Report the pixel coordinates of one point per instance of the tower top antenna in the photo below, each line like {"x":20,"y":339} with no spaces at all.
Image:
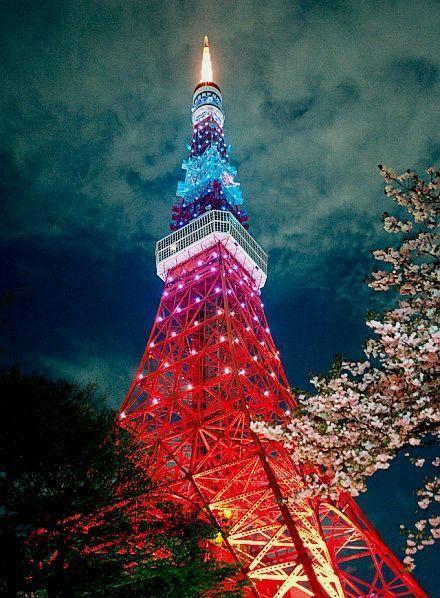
{"x":206,"y":74}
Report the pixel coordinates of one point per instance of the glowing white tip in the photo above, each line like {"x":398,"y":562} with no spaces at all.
{"x":206,"y":74}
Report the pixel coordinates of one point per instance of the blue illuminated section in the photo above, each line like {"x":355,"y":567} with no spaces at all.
{"x":209,"y":179}
{"x":202,"y":171}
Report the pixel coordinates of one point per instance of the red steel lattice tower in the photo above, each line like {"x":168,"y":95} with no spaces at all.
{"x":209,"y":368}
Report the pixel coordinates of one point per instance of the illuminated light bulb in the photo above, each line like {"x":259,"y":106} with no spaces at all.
{"x":200,"y":263}
{"x":248,"y":329}
{"x":232,"y":313}
{"x":197,"y":276}
{"x":217,"y":539}
{"x":222,"y":339}
{"x":217,"y":289}
{"x":235,"y":340}
{"x":255,"y":358}
{"x":180,"y":285}
{"x":213,"y":269}
{"x":193,"y":351}
{"x":252,"y":294}
{"x":189,"y":387}
{"x":262,"y":304}
{"x":140,"y":376}
{"x":165,"y":293}
{"x":242,"y":305}
{"x":159,"y":319}
{"x":215,"y":254}
{"x":272,"y":374}
{"x":229,"y":292}
{"x":255,"y":318}
{"x":166,"y":364}
{"x":155,"y":401}
{"x":198,"y":299}
{"x":151,"y":344}
{"x":227,"y":513}
{"x":266,"y":393}
{"x":122,"y":415}
{"x":287,"y":412}
{"x":267,"y":329}
{"x":227,"y":370}
{"x":219,"y":312}
{"x":178,"y":309}
{"x":173,"y":333}
{"x":242,"y":372}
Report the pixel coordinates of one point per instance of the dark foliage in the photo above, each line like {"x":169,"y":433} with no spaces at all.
{"x":76,"y":509}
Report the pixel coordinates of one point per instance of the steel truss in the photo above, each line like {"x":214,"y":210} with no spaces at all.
{"x":209,"y":368}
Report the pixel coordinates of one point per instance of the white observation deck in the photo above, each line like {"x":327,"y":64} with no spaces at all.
{"x":205,"y":231}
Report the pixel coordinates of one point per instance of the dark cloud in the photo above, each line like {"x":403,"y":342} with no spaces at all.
{"x":415,"y":73}
{"x":283,"y":112}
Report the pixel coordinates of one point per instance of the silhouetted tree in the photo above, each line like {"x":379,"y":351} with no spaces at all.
{"x":77,"y":513}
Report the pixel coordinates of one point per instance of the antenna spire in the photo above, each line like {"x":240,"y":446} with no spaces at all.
{"x":206,"y":74}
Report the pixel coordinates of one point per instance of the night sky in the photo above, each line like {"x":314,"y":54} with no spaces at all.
{"x":94,"y":118}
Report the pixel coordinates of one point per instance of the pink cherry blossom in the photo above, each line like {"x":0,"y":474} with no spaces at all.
{"x":365,"y":412}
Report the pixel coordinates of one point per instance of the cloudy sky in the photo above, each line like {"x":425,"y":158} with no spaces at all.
{"x":94,"y":119}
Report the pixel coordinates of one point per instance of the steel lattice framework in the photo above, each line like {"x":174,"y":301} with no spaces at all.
{"x":209,"y":368}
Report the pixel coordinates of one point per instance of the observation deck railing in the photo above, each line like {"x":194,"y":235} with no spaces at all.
{"x":204,"y":231}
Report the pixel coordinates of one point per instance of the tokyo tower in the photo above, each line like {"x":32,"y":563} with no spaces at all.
{"x":209,"y":368}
